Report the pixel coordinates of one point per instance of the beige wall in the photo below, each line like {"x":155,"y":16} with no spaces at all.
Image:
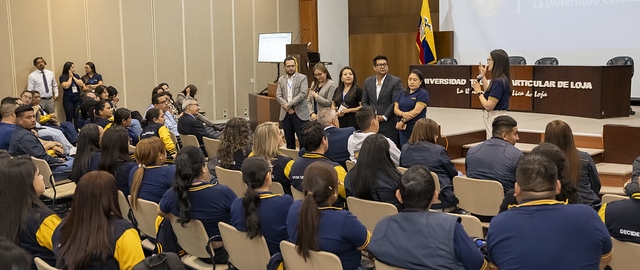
{"x":138,"y":44}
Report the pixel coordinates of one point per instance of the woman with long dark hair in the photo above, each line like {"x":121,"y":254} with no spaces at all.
{"x":72,"y":86}
{"x":88,"y":145}
{"x":568,"y":191}
{"x":259,"y":212}
{"x":91,"y":79}
{"x":411,"y":105}
{"x":153,"y":126}
{"x":189,"y":92}
{"x":494,"y":96}
{"x":94,"y":235}
{"x":423,"y":149}
{"x":235,"y":145}
{"x":102,"y":114}
{"x":193,"y":196}
{"x":582,"y":171}
{"x":375,"y":177}
{"x":152,"y":178}
{"x":122,"y":118}
{"x":114,"y":157}
{"x":267,"y":140}
{"x":321,"y":96}
{"x":314,"y":225}
{"x":347,"y":98}
{"x":26,"y":221}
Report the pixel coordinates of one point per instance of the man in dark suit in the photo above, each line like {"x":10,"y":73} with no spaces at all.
{"x":292,"y":96}
{"x":380,"y":92}
{"x":337,"y":137}
{"x":190,"y":125}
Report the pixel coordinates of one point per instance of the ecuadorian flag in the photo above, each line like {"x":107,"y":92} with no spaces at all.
{"x":424,"y":37}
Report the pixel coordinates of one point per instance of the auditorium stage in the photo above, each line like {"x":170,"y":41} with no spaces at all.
{"x":457,"y":121}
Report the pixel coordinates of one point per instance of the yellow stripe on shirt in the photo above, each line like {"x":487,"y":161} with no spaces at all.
{"x":45,"y":231}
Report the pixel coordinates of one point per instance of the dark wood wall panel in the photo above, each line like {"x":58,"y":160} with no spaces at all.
{"x":309,"y":23}
{"x":385,"y":27}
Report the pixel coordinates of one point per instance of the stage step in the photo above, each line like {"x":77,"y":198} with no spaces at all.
{"x":614,"y":174}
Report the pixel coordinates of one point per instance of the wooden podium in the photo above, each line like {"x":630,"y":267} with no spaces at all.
{"x":262,"y":109}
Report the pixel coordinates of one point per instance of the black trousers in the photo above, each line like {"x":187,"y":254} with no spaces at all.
{"x":291,"y":125}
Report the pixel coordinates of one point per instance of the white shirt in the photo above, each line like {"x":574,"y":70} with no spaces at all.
{"x":355,"y":143}
{"x":36,"y":83}
{"x":289,"y":88}
{"x":379,"y":86}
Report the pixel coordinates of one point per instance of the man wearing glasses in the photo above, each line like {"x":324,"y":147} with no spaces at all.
{"x":380,"y":92}
{"x":292,"y":96}
{"x":190,"y":125}
{"x":163,"y":102}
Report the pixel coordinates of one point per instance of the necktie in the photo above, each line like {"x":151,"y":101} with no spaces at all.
{"x":44,"y":80}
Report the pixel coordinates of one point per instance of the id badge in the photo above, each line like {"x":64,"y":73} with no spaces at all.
{"x":74,"y":89}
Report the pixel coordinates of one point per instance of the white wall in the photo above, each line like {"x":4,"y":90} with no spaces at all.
{"x":333,"y":34}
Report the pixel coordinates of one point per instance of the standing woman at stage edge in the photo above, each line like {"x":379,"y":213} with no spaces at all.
{"x":411,"y":105}
{"x":494,"y":96}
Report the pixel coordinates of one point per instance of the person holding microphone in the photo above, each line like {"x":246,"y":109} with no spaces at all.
{"x":494,"y":96}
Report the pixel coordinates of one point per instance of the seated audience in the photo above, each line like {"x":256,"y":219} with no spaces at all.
{"x":369,"y":125}
{"x":496,"y":158}
{"x":88,"y":146}
{"x":421,"y":239}
{"x":338,"y":137}
{"x":582,"y":172}
{"x":50,"y":121}
{"x":374,"y":177}
{"x":617,"y":215}
{"x":316,"y":144}
{"x":114,"y":157}
{"x":7,"y":124}
{"x":235,"y":144}
{"x":152,"y":178}
{"x":631,"y":186}
{"x":162,"y":101}
{"x":24,"y":142}
{"x":122,"y":118}
{"x":194,"y":197}
{"x":568,"y":191}
{"x":542,"y":233}
{"x":103,"y":114}
{"x":154,"y":127}
{"x":26,"y":221}
{"x":85,"y":110}
{"x":267,"y":140}
{"x":94,"y":235}
{"x":259,"y":212}
{"x":14,"y":257}
{"x":314,"y":225}
{"x":190,"y":125}
{"x":422,"y":148}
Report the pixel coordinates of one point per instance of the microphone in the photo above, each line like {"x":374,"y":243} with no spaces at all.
{"x":479,"y":78}
{"x":308,"y":44}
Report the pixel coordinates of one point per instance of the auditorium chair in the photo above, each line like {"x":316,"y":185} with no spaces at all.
{"x":479,"y":197}
{"x":232,"y":179}
{"x":607,"y":198}
{"x":240,"y":247}
{"x":447,"y":61}
{"x":547,"y":61}
{"x":292,"y":153}
{"x":125,"y":208}
{"x":350,"y":164}
{"x":625,"y":255}
{"x":190,"y":140}
{"x":318,"y":260}
{"x":517,"y":61}
{"x":145,"y":213}
{"x":211,"y":146}
{"x":472,"y":225}
{"x":383,"y":266}
{"x":370,"y":212}
{"x":296,"y":194}
{"x":54,"y":189}
{"x":622,"y":61}
{"x":193,"y":238}
{"x":276,"y":188}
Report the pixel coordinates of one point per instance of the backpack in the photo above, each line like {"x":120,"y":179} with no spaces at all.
{"x":163,"y":261}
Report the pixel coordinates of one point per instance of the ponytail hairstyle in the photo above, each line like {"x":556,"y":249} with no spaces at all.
{"x":148,"y":152}
{"x":151,"y":114}
{"x":254,"y":173}
{"x":320,"y":188}
{"x":189,"y":163}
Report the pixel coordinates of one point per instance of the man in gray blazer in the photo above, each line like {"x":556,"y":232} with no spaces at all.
{"x":380,"y":91}
{"x":292,"y":96}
